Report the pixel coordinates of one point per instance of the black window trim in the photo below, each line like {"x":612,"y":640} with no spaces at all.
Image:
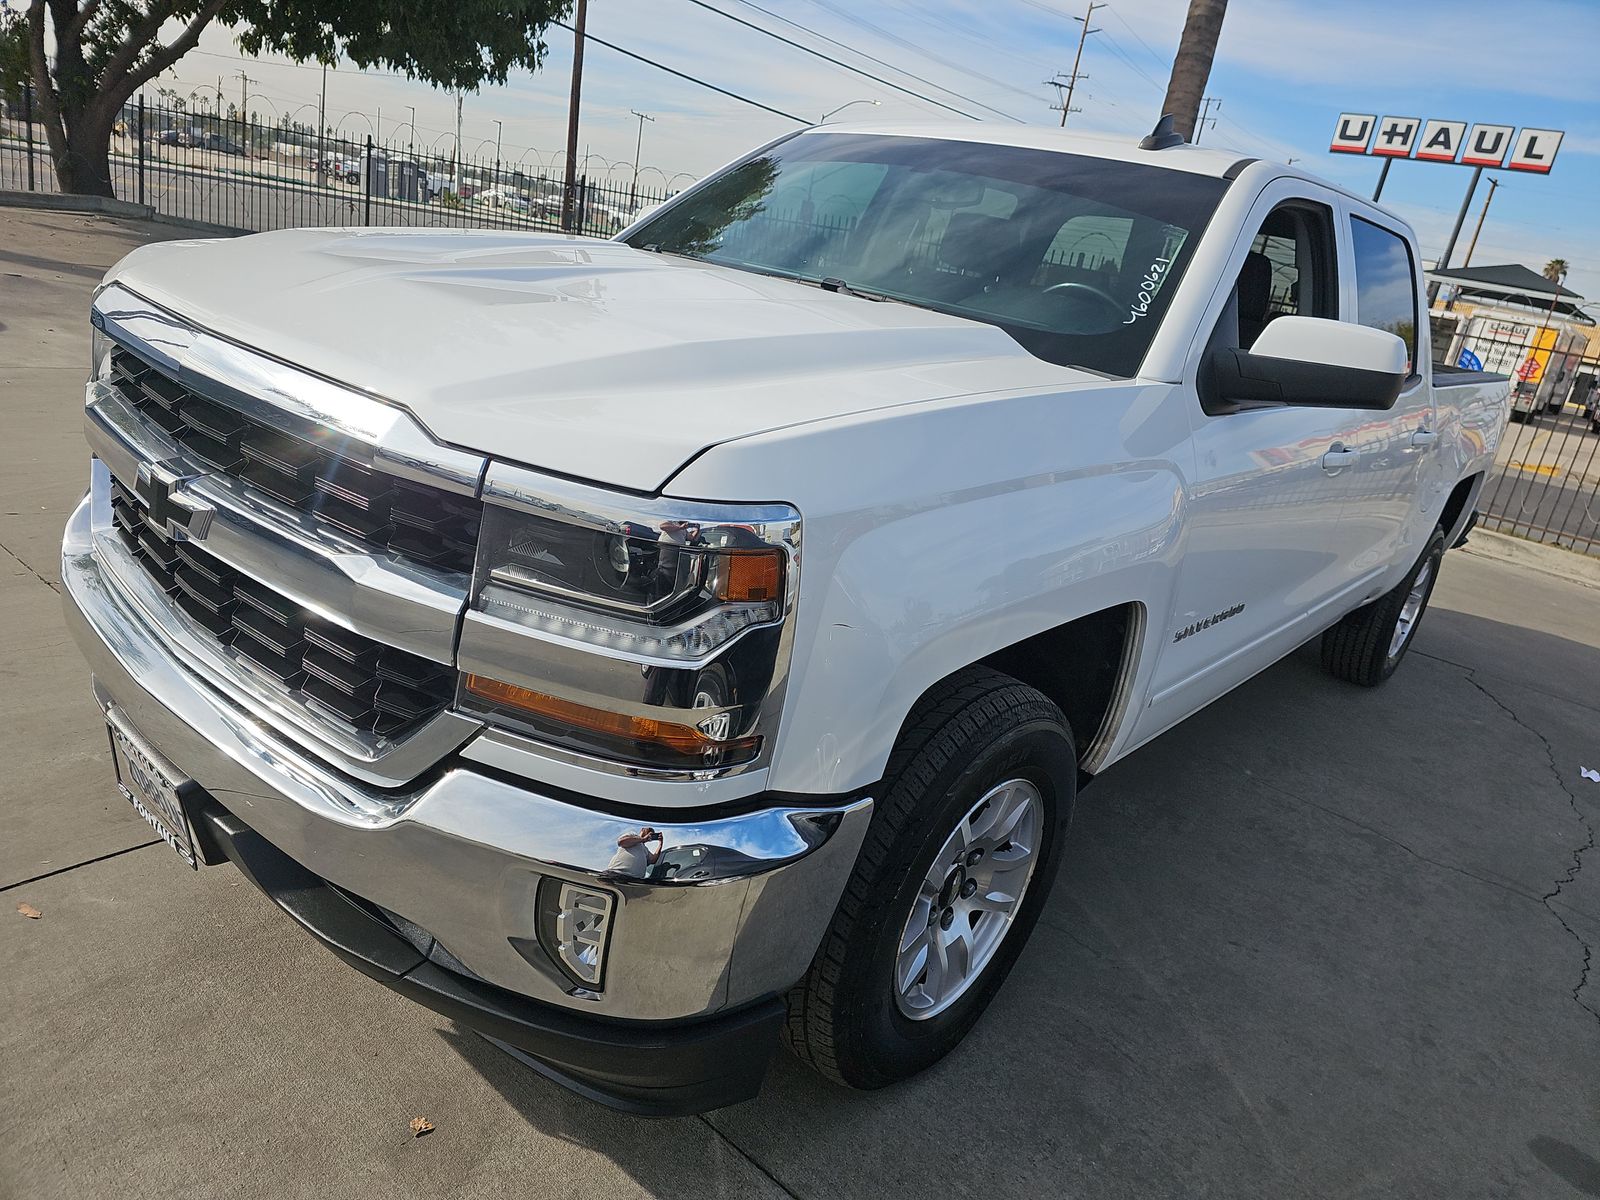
{"x":1415,"y":377}
{"x":1325,"y":265}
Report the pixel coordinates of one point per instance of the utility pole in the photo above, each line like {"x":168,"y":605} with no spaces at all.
{"x":638,"y":148}
{"x":1077,"y":61}
{"x":499,"y":129}
{"x":1191,"y":67}
{"x":569,"y":192}
{"x":1207,"y":103}
{"x":244,"y":108}
{"x":458,"y":145}
{"x":322,"y":126}
{"x":1478,"y":228}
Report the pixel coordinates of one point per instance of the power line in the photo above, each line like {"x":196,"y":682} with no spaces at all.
{"x":888,"y":35}
{"x":838,"y":63}
{"x":691,"y":78}
{"x":870,"y":58}
{"x":1161,"y":63}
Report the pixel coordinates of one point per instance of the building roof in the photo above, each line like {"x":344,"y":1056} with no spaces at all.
{"x":1507,"y":278}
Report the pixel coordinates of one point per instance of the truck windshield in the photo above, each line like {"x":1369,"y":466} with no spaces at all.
{"x":1075,"y":257}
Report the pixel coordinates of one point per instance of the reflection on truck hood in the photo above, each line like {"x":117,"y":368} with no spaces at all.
{"x":578,"y":356}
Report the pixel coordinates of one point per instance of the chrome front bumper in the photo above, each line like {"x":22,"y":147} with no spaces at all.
{"x":463,"y":857}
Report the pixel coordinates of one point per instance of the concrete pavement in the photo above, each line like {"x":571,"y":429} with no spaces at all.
{"x":1317,"y":941}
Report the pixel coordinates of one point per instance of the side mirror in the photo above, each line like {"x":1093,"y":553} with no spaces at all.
{"x":1315,"y":362}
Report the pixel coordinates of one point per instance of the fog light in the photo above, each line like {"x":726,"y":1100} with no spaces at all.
{"x":575,"y":925}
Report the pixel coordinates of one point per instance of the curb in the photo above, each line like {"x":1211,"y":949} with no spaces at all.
{"x":1570,"y":565}
{"x":106,"y":206}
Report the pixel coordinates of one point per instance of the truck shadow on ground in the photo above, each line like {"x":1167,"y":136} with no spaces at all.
{"x":1297,"y":948}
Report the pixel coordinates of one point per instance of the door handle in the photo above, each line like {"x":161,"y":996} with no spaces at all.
{"x":1338,"y":457}
{"x":1423,"y":437}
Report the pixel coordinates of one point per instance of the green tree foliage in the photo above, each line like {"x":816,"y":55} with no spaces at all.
{"x":105,"y":50}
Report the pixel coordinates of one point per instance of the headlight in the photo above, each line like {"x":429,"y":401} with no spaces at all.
{"x":650,"y":634}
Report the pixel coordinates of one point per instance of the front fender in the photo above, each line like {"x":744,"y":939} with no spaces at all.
{"x":932,"y":539}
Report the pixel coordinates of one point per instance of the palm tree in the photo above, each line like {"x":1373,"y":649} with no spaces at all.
{"x":1191,"y":68}
{"x":1555,"y":270}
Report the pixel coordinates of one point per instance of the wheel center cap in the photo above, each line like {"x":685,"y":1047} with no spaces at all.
{"x":952,"y":886}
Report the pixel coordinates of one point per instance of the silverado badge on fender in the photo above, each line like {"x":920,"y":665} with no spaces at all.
{"x":1199,"y":626}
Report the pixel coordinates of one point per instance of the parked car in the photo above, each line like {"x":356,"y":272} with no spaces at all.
{"x":222,"y":144}
{"x":501,"y":198}
{"x":635,"y":652}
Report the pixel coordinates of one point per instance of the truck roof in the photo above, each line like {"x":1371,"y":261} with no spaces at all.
{"x":1197,"y":160}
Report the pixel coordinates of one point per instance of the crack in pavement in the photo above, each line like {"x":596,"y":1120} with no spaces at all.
{"x":748,"y":1157}
{"x":88,"y":862}
{"x":28,"y":567}
{"x":1509,"y":889}
{"x":1571,"y":874}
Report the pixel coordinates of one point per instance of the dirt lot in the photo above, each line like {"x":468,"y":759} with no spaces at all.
{"x":1316,"y":942}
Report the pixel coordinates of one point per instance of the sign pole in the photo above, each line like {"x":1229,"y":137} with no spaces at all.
{"x":1383,"y":178}
{"x":1449,"y":247}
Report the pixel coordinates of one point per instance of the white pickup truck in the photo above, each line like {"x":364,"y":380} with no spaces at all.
{"x":646,"y":650}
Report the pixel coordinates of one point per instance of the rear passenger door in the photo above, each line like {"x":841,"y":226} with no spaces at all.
{"x":1389,"y":502}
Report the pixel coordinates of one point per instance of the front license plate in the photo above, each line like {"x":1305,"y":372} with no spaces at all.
{"x":151,"y":784}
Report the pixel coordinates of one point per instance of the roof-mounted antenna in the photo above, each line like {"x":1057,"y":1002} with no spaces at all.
{"x":1163,"y":136}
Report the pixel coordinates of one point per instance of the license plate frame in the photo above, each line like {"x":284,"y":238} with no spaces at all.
{"x":152,"y":785}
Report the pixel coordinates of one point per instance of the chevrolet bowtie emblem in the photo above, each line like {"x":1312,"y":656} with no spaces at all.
{"x":175,"y":513}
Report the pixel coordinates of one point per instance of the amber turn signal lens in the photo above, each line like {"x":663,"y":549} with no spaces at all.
{"x":683,"y":739}
{"x":750,"y":576}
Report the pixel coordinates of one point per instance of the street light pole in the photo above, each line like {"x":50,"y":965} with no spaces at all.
{"x":411,"y":142}
{"x":638,"y":147}
{"x":499,"y":129}
{"x":322,"y":127}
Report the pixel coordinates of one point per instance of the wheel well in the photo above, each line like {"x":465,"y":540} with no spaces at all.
{"x":1079,"y":665}
{"x":1454,"y":507}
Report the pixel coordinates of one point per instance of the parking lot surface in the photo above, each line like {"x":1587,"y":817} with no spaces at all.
{"x":1317,"y":941}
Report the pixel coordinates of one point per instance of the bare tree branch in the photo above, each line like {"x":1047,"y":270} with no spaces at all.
{"x":140,"y":36}
{"x":49,"y":112}
{"x":171,"y":53}
{"x":85,"y":15}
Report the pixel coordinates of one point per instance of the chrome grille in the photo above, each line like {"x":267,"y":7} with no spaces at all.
{"x":352,"y":679}
{"x":412,"y":520}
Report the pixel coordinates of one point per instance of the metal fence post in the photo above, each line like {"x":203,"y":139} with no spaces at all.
{"x":583,"y":204}
{"x":366,"y":185}
{"x":27,"y":124}
{"x":141,"y":148}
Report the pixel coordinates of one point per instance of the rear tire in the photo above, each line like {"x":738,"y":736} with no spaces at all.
{"x":984,"y":776}
{"x":1368,"y":644}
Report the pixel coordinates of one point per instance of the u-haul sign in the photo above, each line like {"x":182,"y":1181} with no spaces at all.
{"x":1437,"y":140}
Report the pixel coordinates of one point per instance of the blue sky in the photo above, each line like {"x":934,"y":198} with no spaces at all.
{"x":1284,"y":70}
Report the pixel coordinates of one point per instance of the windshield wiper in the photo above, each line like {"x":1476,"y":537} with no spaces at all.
{"x":842,"y":288}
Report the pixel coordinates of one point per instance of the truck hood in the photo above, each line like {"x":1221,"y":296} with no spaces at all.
{"x":571,"y":355}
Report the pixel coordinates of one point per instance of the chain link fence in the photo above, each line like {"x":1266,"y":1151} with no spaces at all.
{"x":237,"y":171}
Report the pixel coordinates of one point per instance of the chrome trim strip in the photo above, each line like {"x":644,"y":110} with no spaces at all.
{"x":463,"y":856}
{"x":606,"y":510}
{"x":377,"y":432}
{"x":557,"y":766}
{"x":382,"y":761}
{"x":374,"y":594}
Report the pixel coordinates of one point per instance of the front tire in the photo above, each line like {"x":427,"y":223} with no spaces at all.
{"x":1368,"y":644}
{"x":956,"y":866}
